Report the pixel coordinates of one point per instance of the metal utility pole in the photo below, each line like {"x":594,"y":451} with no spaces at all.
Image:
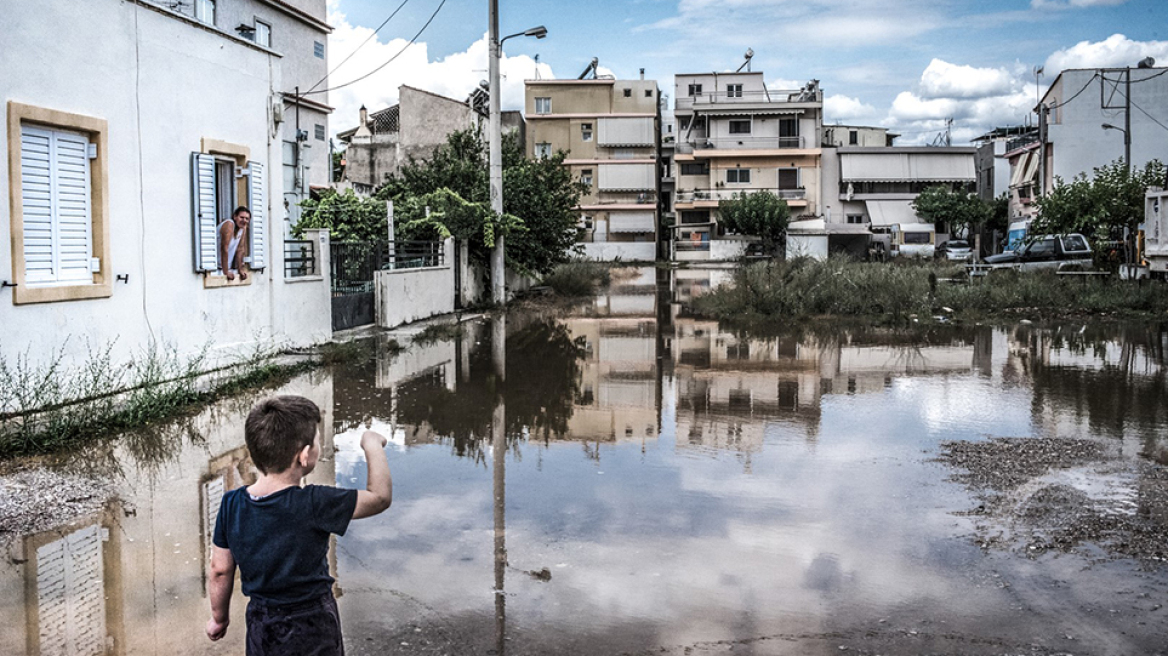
{"x":495,"y":139}
{"x":1127,"y":121}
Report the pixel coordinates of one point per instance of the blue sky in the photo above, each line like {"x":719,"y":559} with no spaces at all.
{"x":907,"y":64}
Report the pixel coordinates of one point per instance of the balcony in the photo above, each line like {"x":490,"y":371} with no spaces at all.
{"x":719,"y":98}
{"x":745,"y":142}
{"x":1021,"y":142}
{"x":726,"y":193}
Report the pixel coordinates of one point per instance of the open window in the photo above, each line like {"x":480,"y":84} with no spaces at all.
{"x":222,"y":178}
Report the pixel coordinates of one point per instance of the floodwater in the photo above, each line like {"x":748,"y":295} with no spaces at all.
{"x":627,"y":479}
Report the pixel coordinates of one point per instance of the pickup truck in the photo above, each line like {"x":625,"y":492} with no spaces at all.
{"x":1054,"y":252}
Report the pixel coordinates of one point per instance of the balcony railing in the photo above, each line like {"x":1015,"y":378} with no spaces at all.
{"x":726,"y":193}
{"x":1021,"y":142}
{"x":746,"y":142}
{"x":683,"y":245}
{"x":722,"y":97}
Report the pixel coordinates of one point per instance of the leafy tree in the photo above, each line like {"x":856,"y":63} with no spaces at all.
{"x":347,"y":216}
{"x":964,"y":212}
{"x":761,"y":214}
{"x":1100,"y":208}
{"x":538,"y":200}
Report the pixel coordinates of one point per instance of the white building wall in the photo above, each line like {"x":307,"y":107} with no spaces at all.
{"x":156,"y":119}
{"x":630,"y":251}
{"x":408,"y":295}
{"x":1080,"y":143}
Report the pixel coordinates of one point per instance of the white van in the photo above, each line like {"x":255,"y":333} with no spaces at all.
{"x":914,"y":239}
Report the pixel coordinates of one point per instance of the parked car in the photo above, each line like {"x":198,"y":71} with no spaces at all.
{"x":954,"y":250}
{"x":1055,"y":252}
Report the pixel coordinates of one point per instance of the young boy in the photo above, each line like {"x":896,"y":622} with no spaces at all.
{"x":278,"y":534}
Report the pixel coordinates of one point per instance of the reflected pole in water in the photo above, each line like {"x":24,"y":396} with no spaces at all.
{"x":499,"y":453}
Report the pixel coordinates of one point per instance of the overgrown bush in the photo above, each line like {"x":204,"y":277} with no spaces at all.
{"x":845,"y":287}
{"x":578,"y":278}
{"x":44,"y":406}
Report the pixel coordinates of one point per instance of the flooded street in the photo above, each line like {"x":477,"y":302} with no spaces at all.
{"x":627,"y":479}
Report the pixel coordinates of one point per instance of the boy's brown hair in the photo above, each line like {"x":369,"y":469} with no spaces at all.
{"x":277,"y":429}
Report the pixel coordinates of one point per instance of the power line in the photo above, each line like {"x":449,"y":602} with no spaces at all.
{"x":367,"y":39}
{"x":1153,"y":118}
{"x":391,"y":59}
{"x":1077,"y":93}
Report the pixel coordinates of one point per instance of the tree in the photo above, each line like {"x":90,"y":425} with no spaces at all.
{"x":538,"y":200}
{"x":1101,"y":208}
{"x":964,"y":212}
{"x":347,"y":216}
{"x":760,"y":214}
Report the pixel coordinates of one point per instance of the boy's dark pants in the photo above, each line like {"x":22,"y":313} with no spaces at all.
{"x":307,"y":628}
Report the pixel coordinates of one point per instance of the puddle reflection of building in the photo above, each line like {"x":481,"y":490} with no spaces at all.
{"x":729,"y":387}
{"x":132,"y":579}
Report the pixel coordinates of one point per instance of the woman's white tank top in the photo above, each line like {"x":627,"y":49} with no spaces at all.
{"x":233,"y":245}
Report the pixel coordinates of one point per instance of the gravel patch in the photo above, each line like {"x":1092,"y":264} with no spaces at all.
{"x":1053,"y":494}
{"x":35,"y":500}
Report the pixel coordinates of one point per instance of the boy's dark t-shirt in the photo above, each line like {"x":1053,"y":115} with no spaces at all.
{"x":280,"y":542}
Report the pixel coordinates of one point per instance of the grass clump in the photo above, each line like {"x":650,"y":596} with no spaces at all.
{"x":439,"y":332}
{"x":843,"y":287}
{"x":45,"y":406}
{"x":578,"y":278}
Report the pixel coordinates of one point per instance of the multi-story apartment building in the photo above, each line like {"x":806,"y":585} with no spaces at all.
{"x":736,"y":135}
{"x":610,"y":131}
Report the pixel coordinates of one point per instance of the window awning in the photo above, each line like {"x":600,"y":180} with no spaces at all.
{"x":1019,"y":171}
{"x":631,"y":222}
{"x":891,"y":212}
{"x":1031,"y":172}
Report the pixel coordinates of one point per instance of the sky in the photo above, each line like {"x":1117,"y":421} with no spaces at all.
{"x":907,"y":65}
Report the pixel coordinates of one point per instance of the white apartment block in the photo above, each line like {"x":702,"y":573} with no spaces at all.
{"x":734,"y":135}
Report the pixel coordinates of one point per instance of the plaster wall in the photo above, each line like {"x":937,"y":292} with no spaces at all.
{"x":155,"y":121}
{"x":1079,"y":143}
{"x":407,"y":295}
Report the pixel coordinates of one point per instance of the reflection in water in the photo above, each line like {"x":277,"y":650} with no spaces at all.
{"x":667,"y":483}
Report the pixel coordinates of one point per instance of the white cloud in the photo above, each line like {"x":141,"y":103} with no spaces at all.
{"x":1115,"y":51}
{"x":1073,"y":4}
{"x":842,"y":108}
{"x":944,"y":80}
{"x":454,"y":76}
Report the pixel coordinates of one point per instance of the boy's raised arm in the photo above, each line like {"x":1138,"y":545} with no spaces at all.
{"x":219,"y":588}
{"x":378,"y":492}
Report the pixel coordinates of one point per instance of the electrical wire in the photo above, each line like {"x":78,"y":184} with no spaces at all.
{"x":1077,"y":93}
{"x":1142,"y":79}
{"x":391,"y":59}
{"x":1145,"y":113}
{"x":367,"y":39}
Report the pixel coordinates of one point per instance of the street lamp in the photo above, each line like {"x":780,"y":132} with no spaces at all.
{"x":498,"y":258}
{"x":1126,"y":144}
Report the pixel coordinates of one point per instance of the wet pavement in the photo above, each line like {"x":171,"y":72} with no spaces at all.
{"x":625,"y":478}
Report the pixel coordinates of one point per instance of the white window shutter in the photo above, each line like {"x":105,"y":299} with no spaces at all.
{"x":58,"y":217}
{"x":205,"y":226}
{"x":71,"y":594}
{"x":36,"y":186}
{"x":74,"y":222}
{"x":257,"y":203}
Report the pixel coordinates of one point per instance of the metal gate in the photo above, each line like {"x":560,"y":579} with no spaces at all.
{"x":354,"y":264}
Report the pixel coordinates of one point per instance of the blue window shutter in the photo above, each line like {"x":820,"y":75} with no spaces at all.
{"x":257,"y":203}
{"x":205,"y":233}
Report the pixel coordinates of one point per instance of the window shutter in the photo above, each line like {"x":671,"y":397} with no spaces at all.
{"x":57,"y":221}
{"x":257,"y":203}
{"x":36,"y":186}
{"x":71,"y":594}
{"x":212,"y":499}
{"x":74,"y":223}
{"x":205,"y":227}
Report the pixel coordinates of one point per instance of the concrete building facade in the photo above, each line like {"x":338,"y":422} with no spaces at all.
{"x":734,"y":135}
{"x":385,"y":140}
{"x":610,"y":132}
{"x":118,"y":174}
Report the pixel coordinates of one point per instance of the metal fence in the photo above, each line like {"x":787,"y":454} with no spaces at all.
{"x":300,"y":258}
{"x":354,"y":263}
